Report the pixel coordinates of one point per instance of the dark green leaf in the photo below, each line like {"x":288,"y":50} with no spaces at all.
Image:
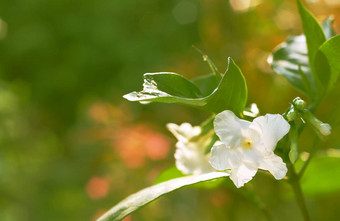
{"x":145,"y":196}
{"x":230,"y":94}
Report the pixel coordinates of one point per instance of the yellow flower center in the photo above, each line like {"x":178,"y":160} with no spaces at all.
{"x":247,"y":144}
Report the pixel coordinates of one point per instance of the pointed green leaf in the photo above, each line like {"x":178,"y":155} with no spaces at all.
{"x":331,"y":49}
{"x":315,"y":37}
{"x":230,"y":94}
{"x":313,"y":31}
{"x":145,"y":196}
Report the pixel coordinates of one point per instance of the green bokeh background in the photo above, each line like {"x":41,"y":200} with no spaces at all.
{"x":64,"y":66}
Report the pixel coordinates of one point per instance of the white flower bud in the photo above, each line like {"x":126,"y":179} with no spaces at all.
{"x":325,"y":129}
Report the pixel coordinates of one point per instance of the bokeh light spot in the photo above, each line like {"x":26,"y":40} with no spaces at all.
{"x":97,"y":188}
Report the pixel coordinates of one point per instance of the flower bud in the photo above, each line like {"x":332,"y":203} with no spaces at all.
{"x":321,"y":127}
{"x":291,"y":115}
{"x":299,"y":103}
{"x":325,"y":129}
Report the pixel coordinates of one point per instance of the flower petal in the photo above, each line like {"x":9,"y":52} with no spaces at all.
{"x":184,"y":131}
{"x":223,"y":158}
{"x":243,"y":174}
{"x":274,"y":165}
{"x":228,"y":128}
{"x":273,"y":128}
{"x":251,"y":157}
{"x":192,"y":161}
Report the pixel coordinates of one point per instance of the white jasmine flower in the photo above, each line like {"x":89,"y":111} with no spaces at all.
{"x":190,"y":153}
{"x":247,"y":146}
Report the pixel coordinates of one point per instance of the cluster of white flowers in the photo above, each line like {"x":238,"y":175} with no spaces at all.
{"x":244,"y":147}
{"x":190,"y":153}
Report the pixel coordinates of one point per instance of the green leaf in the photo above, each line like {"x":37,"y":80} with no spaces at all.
{"x":323,"y":72}
{"x":331,"y":49}
{"x":165,"y":87}
{"x":206,"y":83}
{"x":230,"y":94}
{"x":145,"y":196}
{"x":315,"y":37}
{"x":327,"y":27}
{"x":290,"y":59}
{"x":312,"y":30}
{"x":306,"y":82}
{"x":321,"y":176}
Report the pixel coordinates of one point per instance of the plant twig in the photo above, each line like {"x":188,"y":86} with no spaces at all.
{"x":295,"y":183}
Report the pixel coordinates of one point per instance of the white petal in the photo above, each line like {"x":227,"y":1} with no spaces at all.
{"x":192,"y":161}
{"x":274,"y":165}
{"x":228,"y":128}
{"x":250,"y":156}
{"x":183,"y":132}
{"x":243,"y":174}
{"x":223,"y":157}
{"x":273,"y":127}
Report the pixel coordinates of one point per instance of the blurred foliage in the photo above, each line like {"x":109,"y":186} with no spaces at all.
{"x":71,"y":147}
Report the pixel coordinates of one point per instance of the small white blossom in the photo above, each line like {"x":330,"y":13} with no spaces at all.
{"x":190,"y":153}
{"x":247,"y":146}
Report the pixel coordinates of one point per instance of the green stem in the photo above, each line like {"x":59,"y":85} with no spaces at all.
{"x":294,"y":181}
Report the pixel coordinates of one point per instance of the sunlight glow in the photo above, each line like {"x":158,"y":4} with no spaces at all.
{"x":244,"y":5}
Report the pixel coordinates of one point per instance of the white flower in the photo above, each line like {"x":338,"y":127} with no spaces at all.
{"x":247,"y":146}
{"x":190,"y":153}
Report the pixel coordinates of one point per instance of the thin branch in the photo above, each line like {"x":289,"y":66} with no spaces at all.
{"x":294,"y":181}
